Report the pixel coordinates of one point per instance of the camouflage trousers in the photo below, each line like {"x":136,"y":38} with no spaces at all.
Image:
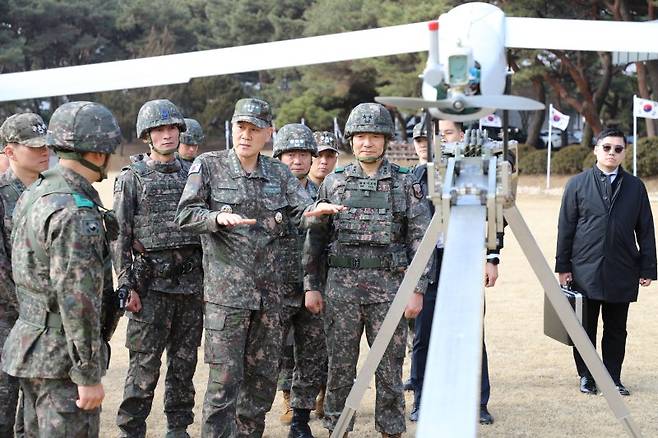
{"x":8,"y":393}
{"x":344,"y":325}
{"x":50,"y":407}
{"x":242,"y":347}
{"x":309,"y":356}
{"x":172,"y":322}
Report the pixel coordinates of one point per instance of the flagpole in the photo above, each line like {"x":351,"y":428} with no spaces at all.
{"x":550,"y":141}
{"x":634,"y":136}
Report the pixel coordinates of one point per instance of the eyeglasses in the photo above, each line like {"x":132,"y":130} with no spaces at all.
{"x":618,"y":149}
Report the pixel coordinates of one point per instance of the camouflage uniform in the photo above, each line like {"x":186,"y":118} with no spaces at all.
{"x":146,"y":194}
{"x":241,"y":290}
{"x":309,"y":355}
{"x":63,"y":278}
{"x":369,"y":246}
{"x":29,"y":130}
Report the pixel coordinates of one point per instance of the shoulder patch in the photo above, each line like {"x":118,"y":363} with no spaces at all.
{"x":340,"y":169}
{"x":194,"y":168}
{"x":91,"y":227}
{"x":418,"y":190}
{"x":81,"y":201}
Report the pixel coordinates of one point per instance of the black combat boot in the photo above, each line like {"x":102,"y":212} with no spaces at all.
{"x":299,"y":427}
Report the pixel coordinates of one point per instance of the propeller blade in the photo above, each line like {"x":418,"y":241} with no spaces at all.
{"x":412,"y":102}
{"x":504,"y":102}
{"x":180,"y":68}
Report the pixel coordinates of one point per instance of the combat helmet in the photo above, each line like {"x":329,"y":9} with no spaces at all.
{"x":369,"y":117}
{"x":78,"y":127}
{"x":420,"y":130}
{"x":193,"y":133}
{"x":294,"y":137}
{"x":159,"y":112}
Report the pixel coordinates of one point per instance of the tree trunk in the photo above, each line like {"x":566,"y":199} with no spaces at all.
{"x":644,"y":94}
{"x":537,"y":117}
{"x":588,"y":135}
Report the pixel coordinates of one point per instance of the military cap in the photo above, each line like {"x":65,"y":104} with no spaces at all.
{"x":420,"y":130}
{"x":254,"y":111}
{"x":326,"y":141}
{"x":294,"y":137}
{"x":27,"y":129}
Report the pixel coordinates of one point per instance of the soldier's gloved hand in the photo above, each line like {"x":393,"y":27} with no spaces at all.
{"x":134,"y":303}
{"x":325,"y":208}
{"x":232,"y":220}
{"x":90,"y":397}
{"x":414,"y":306}
{"x":313,"y":301}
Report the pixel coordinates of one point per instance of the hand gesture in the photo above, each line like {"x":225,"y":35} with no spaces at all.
{"x":233,"y":220}
{"x":324,"y":209}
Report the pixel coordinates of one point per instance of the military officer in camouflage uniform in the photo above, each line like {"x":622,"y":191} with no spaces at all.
{"x":166,"y":307}
{"x":25,"y":138}
{"x":190,"y":140}
{"x":243,"y":204}
{"x":369,"y":247}
{"x":295,"y":146}
{"x":327,"y":157}
{"x":63,"y":276}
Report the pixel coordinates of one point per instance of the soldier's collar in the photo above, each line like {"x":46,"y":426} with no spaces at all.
{"x":79,"y":184}
{"x":236,"y":170}
{"x":384,"y":171}
{"x":170,"y":167}
{"x":10,"y":178}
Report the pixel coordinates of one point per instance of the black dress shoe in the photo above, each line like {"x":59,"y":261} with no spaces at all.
{"x":408,"y":385}
{"x":622,"y":389}
{"x":485,"y":416}
{"x":588,"y":386}
{"x":413,"y":416}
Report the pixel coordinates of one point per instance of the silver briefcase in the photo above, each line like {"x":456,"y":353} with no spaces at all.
{"x":553,"y":327}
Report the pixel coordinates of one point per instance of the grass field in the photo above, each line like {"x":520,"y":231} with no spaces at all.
{"x":534,"y":382}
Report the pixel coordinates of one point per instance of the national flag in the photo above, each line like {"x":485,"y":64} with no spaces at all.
{"x":645,"y":108}
{"x":558,"y":120}
{"x":491,"y":120}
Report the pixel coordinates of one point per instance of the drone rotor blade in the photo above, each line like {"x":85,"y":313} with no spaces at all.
{"x":413,"y":102}
{"x":504,"y":102}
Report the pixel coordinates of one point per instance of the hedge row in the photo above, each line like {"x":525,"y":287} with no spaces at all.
{"x":574,"y":158}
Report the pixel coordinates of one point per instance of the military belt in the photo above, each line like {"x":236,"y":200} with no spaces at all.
{"x":336,"y":261}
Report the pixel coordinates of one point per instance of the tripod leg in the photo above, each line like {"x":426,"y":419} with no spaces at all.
{"x":568,"y":318}
{"x":383,"y":338}
{"x":451,"y":389}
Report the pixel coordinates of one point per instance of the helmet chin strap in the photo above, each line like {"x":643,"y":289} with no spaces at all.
{"x":161,"y":151}
{"x":77,"y":156}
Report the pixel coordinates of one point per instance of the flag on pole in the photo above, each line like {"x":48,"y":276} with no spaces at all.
{"x":337,"y":131}
{"x":491,"y":120}
{"x":645,"y":108}
{"x":558,"y":120}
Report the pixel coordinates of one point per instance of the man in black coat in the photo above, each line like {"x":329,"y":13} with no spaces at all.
{"x":605,"y":216}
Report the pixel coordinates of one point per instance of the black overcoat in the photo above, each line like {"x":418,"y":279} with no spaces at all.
{"x":607,"y":244}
